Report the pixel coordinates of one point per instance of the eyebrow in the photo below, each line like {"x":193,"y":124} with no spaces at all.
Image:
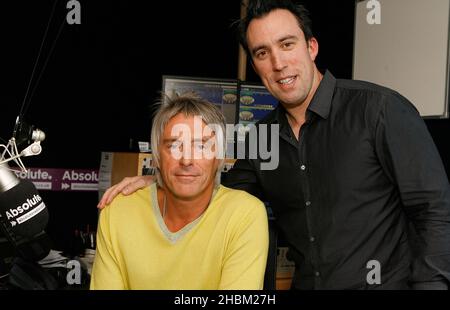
{"x":259,"y":47}
{"x":170,"y":140}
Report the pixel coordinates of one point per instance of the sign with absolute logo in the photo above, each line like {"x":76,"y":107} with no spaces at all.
{"x":61,"y":179}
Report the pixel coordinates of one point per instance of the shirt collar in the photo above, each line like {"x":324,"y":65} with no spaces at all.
{"x":321,"y":102}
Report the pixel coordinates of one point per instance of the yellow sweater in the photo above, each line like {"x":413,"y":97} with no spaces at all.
{"x":225,"y":248}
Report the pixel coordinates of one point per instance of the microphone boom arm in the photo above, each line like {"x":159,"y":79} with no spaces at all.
{"x":13,"y":154}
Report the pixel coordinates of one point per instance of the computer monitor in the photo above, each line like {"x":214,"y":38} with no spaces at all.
{"x":218,"y":91}
{"x":255,"y":103}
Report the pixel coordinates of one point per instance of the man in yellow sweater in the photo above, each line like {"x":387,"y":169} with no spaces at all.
{"x":186,"y":231}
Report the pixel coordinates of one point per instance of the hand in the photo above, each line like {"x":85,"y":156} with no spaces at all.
{"x":127,"y":186}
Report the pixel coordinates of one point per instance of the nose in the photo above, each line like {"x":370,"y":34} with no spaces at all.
{"x":278,"y":63}
{"x":186,"y":157}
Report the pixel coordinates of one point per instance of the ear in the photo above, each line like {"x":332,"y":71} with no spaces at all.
{"x":313,"y":48}
{"x":218,"y":164}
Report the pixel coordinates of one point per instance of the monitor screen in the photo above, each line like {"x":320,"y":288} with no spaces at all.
{"x":220,"y":92}
{"x":255,"y":103}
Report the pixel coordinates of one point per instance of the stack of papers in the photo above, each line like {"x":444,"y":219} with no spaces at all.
{"x":54,"y":259}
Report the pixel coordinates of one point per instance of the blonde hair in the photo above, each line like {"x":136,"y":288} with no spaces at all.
{"x":188,"y":105}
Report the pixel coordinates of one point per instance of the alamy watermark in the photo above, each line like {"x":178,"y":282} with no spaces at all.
{"x":208,"y":142}
{"x":374,"y":275}
{"x":74,"y":15}
{"x":74,"y":275}
{"x":374,"y":15}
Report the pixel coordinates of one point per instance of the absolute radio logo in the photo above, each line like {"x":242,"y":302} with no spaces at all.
{"x":26,"y":207}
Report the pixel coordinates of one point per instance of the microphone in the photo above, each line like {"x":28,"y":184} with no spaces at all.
{"x":23,"y":215}
{"x":24,"y":132}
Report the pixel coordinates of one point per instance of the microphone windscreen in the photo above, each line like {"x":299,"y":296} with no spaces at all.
{"x":24,"y":210}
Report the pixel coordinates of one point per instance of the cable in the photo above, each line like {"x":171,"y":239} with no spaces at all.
{"x":27,"y":105}
{"x":35,"y":66}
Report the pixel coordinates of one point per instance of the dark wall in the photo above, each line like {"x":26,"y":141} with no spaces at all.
{"x":103,"y":76}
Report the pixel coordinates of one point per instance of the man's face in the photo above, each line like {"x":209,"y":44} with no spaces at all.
{"x":186,"y":171}
{"x":282,"y":57}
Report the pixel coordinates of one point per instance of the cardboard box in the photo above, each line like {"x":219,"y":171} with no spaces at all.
{"x":114,"y":166}
{"x":285,"y":269}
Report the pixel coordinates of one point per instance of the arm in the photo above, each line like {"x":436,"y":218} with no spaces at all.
{"x":410,"y":159}
{"x":246,"y":256}
{"x":127,"y":186}
{"x":243,"y":176}
{"x":105,"y":272}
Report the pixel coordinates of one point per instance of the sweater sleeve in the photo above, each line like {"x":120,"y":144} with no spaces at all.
{"x":246,"y":256}
{"x":105,"y":272}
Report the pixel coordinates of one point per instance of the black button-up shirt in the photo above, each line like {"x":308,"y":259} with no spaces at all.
{"x":344,"y":194}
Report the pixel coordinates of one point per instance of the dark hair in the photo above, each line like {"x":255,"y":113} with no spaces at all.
{"x":260,"y":8}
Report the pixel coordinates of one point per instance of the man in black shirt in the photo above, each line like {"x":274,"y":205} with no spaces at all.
{"x":360,"y":191}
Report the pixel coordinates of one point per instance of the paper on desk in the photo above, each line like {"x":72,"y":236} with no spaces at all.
{"x":53,"y":259}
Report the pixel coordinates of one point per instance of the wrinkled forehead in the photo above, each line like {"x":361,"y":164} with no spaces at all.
{"x":192,"y":126}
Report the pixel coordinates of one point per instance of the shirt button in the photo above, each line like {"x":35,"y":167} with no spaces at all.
{"x":303,"y":167}
{"x":312,"y":239}
{"x":317,"y":274}
{"x":308,"y":203}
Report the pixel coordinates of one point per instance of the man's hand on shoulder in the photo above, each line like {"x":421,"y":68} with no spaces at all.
{"x":127,"y":186}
